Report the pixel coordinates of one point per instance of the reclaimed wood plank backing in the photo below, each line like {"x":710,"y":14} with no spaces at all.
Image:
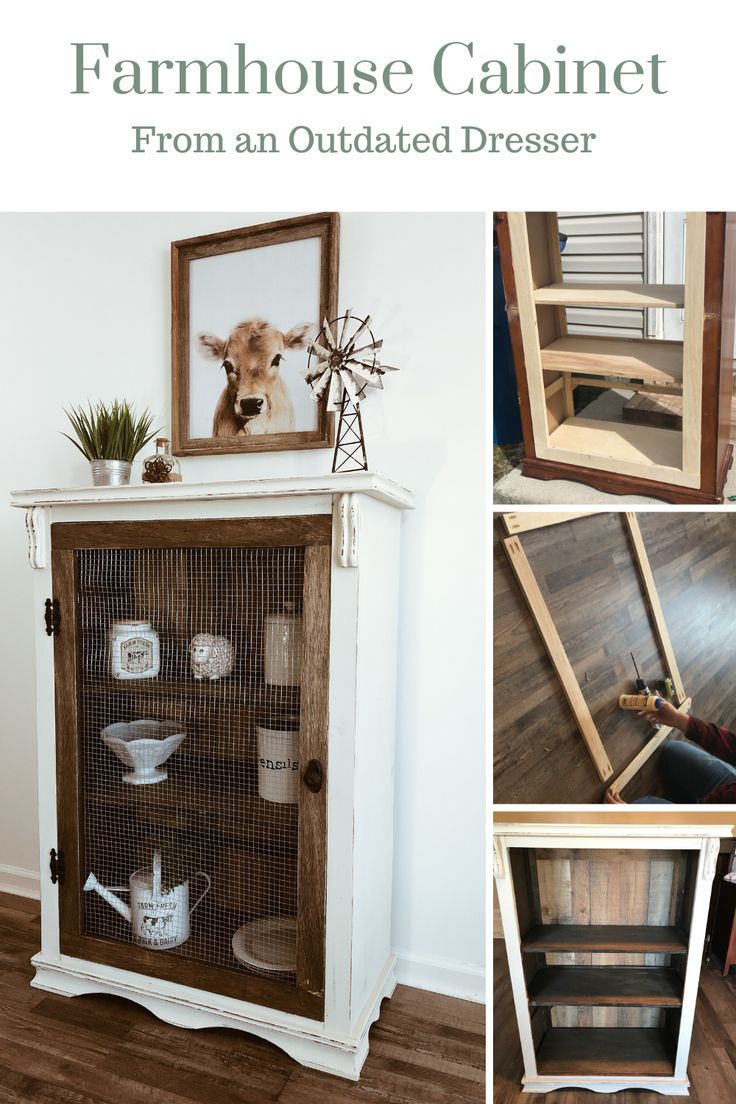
{"x":586,"y":891}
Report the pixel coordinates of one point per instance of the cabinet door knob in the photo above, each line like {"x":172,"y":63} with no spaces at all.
{"x":313,"y":776}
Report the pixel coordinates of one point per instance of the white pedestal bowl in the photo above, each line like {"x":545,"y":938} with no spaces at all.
{"x":143,"y":746}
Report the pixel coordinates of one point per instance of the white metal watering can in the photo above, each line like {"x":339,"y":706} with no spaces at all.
{"x":160,"y":919}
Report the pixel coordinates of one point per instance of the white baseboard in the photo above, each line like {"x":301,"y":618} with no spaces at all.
{"x":441,"y":975}
{"x":24,"y":883}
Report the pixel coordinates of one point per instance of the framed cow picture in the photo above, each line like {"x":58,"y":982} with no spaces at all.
{"x":245,"y":305}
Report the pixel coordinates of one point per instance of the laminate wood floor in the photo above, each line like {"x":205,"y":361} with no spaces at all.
{"x":585,"y":571}
{"x":712,"y":1068}
{"x":105,"y":1050}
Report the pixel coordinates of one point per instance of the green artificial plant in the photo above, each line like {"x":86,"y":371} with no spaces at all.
{"x":115,"y":432}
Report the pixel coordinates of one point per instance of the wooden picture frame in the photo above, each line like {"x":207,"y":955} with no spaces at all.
{"x":523,"y":522}
{"x":252,"y":394}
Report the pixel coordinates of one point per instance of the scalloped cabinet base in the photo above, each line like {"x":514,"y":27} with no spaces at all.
{"x":667,"y":1086}
{"x":306,"y":1041}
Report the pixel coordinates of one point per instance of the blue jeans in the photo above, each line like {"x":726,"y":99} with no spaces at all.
{"x":688,"y":773}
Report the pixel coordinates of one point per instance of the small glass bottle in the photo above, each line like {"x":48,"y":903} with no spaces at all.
{"x":162,"y":466}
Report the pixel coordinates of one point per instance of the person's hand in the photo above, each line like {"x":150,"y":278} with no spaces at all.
{"x":666,"y":715}
{"x":610,"y":797}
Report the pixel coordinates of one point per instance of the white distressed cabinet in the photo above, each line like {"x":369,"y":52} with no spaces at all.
{"x":241,"y":875}
{"x":604,"y":928}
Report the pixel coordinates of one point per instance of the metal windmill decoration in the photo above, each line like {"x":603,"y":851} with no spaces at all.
{"x":343,"y":368}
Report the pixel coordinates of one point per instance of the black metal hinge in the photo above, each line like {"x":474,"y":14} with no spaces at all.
{"x":56,"y":866}
{"x":52,"y":616}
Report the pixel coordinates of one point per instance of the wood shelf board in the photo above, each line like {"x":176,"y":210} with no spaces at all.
{"x":622,"y":441}
{"x":611,"y":938}
{"x":576,"y":294}
{"x":229,"y":690}
{"x":606,"y":1051}
{"x":658,"y":986}
{"x":632,"y":821}
{"x":657,"y":362}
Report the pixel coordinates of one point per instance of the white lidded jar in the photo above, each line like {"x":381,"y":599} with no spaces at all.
{"x":278,"y":760}
{"x":282,"y":646}
{"x":135,"y":650}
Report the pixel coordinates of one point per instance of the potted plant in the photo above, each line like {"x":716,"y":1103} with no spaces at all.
{"x":110,"y":437}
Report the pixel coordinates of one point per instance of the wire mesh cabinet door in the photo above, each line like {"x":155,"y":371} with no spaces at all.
{"x":191,"y":703}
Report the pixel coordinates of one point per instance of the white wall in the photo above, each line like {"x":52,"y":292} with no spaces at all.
{"x":84,"y":313}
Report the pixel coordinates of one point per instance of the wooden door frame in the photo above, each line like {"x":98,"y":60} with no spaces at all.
{"x":314,"y":534}
{"x":523,"y":522}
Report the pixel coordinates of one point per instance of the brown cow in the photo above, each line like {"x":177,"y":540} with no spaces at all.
{"x":255,"y":398}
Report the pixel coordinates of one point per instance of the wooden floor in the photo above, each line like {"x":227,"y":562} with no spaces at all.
{"x":588,"y":580}
{"x":712,"y":1069}
{"x":105,"y":1050}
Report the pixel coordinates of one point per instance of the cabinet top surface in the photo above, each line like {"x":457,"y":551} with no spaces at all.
{"x":618,"y":823}
{"x":368,"y":483}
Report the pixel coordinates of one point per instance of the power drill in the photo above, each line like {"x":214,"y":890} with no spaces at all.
{"x":665,"y":689}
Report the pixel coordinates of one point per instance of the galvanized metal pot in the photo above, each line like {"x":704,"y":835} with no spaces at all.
{"x":110,"y":473}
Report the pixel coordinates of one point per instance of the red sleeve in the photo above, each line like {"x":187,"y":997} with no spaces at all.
{"x":721,"y":795}
{"x":718,"y":741}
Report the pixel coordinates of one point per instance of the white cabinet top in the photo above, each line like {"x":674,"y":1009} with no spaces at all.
{"x":621,"y":826}
{"x":368,"y":483}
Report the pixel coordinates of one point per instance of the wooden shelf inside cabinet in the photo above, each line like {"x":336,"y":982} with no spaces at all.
{"x":651,"y":986}
{"x":605,"y":1051}
{"x":223,"y":693}
{"x":218,"y":689}
{"x":610,"y":295}
{"x":619,"y":441}
{"x":268,"y":823}
{"x":655,"y":362}
{"x":609,"y":938}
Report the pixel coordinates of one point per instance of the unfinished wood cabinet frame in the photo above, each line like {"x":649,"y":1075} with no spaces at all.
{"x":516,"y":903}
{"x":682,"y":466}
{"x":524,"y":522}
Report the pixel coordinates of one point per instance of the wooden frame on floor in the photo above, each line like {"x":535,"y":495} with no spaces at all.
{"x":526,"y":521}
